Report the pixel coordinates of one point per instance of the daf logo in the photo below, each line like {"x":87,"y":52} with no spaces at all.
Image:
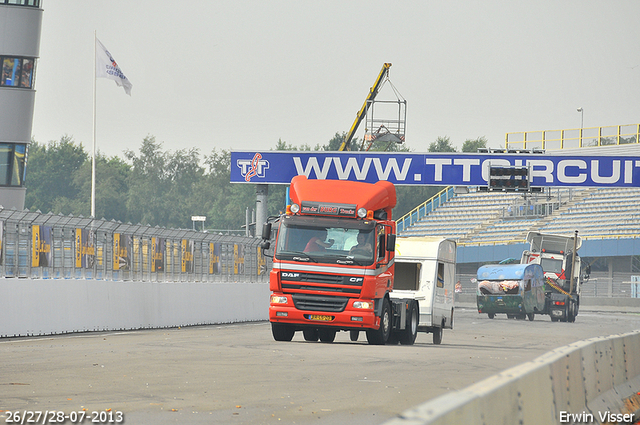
{"x":285,"y":274}
{"x":356,"y":279}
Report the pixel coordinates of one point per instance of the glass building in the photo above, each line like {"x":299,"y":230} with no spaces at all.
{"x":20,"y":25}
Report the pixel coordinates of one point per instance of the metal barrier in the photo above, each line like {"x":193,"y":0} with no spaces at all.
{"x":574,"y":138}
{"x":36,"y":245}
{"x":425,"y":208}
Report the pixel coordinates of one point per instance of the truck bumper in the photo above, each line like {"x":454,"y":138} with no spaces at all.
{"x":349,"y":318}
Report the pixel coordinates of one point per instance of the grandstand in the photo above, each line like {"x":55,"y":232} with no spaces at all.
{"x":495,"y":217}
{"x":492,"y":226}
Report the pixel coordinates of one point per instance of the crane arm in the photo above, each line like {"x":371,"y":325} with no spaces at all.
{"x":363,"y":111}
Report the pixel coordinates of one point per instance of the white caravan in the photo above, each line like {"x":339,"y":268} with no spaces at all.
{"x":425,"y":271}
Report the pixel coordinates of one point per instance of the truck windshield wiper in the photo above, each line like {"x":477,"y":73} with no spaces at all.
{"x":349,"y":259}
{"x":305,"y":256}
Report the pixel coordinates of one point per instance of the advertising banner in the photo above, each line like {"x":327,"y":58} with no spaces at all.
{"x":187,"y":256}
{"x":40,"y":246}
{"x":85,"y":249}
{"x":214,"y":258}
{"x":262,"y":262}
{"x":157,"y":254}
{"x":122,"y":245}
{"x":238,"y":259}
{"x":433,"y":169}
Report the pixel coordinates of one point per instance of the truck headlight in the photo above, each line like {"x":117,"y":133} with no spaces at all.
{"x":278,"y":299}
{"x":367,"y":305}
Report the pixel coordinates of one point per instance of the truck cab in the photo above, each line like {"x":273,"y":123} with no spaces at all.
{"x":333,"y":263}
{"x":562,"y":266}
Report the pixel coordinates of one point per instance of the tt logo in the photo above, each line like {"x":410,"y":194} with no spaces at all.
{"x":253,"y":167}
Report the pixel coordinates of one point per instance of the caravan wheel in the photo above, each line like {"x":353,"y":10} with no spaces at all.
{"x":437,"y":334}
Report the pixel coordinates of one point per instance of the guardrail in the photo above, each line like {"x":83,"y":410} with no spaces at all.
{"x":574,"y":138}
{"x":514,"y":241}
{"x":425,"y":208}
{"x":599,"y":377}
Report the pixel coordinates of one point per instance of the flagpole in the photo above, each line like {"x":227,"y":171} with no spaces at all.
{"x":93,"y":157}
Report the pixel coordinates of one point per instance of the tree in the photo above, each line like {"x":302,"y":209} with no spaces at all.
{"x":111,"y":189}
{"x":442,"y":144}
{"x":472,"y":145}
{"x":147,"y":183}
{"x":50,"y":173}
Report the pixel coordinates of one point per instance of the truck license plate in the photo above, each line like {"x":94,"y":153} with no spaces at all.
{"x":320,"y":317}
{"x":556,"y":312}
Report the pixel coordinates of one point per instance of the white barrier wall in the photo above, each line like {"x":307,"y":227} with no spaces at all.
{"x":53,"y":306}
{"x":590,"y":379}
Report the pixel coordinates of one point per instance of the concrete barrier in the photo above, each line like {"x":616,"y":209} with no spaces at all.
{"x":54,"y":306}
{"x":593,"y":381}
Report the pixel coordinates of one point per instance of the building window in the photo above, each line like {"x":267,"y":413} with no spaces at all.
{"x":30,"y":3}
{"x":17,"y":72}
{"x":12,"y":164}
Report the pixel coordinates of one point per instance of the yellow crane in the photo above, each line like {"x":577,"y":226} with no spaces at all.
{"x":373,"y":92}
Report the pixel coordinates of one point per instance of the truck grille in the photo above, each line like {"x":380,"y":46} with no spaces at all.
{"x":345,"y":285}
{"x":319,"y":303}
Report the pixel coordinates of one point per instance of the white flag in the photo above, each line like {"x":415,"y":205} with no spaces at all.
{"x":106,"y":67}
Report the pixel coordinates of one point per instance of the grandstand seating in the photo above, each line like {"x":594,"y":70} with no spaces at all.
{"x":497,"y":217}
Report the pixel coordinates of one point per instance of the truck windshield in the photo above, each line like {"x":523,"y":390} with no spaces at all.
{"x":326,"y":241}
{"x":551,"y":265}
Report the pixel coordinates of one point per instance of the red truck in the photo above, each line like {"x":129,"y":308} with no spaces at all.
{"x":333,"y":264}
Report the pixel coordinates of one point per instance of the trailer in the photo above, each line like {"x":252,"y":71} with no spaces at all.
{"x":425,"y":272}
{"x":516,"y":290}
{"x":563,"y":271}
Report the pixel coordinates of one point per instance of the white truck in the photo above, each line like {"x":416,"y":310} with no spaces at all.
{"x":425,"y":270}
{"x":563,"y":271}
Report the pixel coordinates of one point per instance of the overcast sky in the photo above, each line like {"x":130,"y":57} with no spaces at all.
{"x":243,"y":74}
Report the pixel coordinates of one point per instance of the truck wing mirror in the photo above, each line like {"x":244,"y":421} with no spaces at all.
{"x":266,"y":231}
{"x":391,"y":242}
{"x":265,"y":245}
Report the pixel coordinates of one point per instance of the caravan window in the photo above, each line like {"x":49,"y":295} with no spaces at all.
{"x":407,"y":276}
{"x":440,"y":275}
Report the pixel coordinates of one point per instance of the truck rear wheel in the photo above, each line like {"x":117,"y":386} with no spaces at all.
{"x":531,"y":316}
{"x":408,"y":336}
{"x":381,"y":335}
{"x":353,"y":335}
{"x":282,"y":332}
{"x":571,"y":313}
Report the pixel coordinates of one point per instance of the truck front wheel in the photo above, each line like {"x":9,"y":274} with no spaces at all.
{"x":381,"y":335}
{"x":282,"y":332}
{"x":326,"y":335}
{"x":310,"y":334}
